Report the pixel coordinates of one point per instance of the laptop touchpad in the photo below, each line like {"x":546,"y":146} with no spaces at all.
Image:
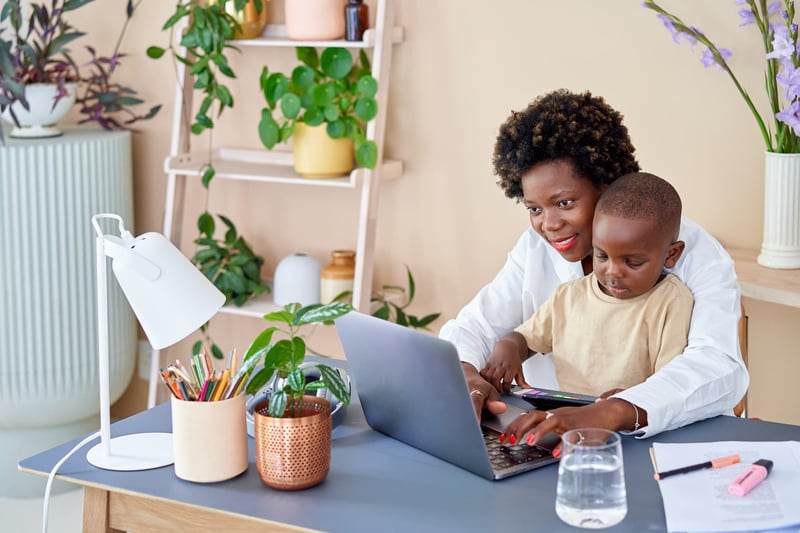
{"x":500,"y":422}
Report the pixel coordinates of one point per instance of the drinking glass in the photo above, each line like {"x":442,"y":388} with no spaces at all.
{"x":591,"y":480}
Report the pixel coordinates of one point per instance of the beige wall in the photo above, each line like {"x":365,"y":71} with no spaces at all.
{"x":463,"y":67}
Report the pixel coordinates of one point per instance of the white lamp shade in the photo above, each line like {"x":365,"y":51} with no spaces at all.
{"x":177,"y":302}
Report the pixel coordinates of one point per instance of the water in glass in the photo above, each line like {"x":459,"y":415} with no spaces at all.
{"x":591,"y":480}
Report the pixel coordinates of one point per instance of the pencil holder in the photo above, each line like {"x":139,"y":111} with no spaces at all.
{"x":209,"y":439}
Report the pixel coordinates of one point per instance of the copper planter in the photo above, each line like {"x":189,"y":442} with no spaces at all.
{"x":294,"y":453}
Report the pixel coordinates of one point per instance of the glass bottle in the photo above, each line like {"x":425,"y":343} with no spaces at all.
{"x":356,"y":20}
{"x":337,"y":276}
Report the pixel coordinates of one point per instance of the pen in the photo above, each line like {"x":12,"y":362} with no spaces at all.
{"x":752,"y":476}
{"x":713,"y":463}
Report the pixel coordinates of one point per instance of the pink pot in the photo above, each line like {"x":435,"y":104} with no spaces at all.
{"x":315,"y":20}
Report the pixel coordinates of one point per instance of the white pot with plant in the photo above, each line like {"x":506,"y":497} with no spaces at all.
{"x":780,"y":246}
{"x":40,"y":81}
{"x":329,"y":91}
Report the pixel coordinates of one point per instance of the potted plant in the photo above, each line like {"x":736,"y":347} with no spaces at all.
{"x":327,"y":89}
{"x":231,"y":266}
{"x":36,"y":65}
{"x":292,"y":428}
{"x":386,"y":304}
{"x":210,"y":25}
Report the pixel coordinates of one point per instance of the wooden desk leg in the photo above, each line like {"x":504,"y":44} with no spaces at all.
{"x":96,"y":511}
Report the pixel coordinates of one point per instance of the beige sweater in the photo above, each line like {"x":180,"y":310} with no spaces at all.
{"x":600,"y":342}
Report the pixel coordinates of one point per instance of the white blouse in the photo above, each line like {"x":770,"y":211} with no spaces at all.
{"x":708,"y":379}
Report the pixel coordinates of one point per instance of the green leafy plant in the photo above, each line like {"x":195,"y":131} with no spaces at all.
{"x":229,"y":263}
{"x":329,"y":89}
{"x":387,"y":307}
{"x":285,"y":357}
{"x":209,"y":27}
{"x":37,"y":51}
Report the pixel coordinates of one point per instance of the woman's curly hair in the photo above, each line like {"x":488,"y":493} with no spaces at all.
{"x":561,"y":125}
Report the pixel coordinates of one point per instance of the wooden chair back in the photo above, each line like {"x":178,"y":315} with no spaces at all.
{"x":741,"y":407}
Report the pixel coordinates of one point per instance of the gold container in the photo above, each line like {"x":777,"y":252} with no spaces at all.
{"x":294,"y":453}
{"x":251,"y":21}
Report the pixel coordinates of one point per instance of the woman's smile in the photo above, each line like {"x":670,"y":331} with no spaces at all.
{"x":564,"y":244}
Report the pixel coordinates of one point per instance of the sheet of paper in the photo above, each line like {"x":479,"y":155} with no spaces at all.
{"x":699,"y":501}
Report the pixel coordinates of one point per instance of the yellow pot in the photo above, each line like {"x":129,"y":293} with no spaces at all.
{"x":316,"y":155}
{"x":251,"y":21}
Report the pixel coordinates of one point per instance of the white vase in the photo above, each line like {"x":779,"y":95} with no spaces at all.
{"x":40,"y":119}
{"x":780,"y":247}
{"x":297,"y":279}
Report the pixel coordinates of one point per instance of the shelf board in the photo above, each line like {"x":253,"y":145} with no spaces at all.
{"x":255,"y":308}
{"x":269,"y":166}
{"x":275,"y":35}
{"x":766,"y":284}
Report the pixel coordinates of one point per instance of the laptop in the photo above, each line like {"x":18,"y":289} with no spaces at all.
{"x":412,"y":388}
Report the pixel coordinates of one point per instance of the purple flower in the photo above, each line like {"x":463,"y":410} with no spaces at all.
{"x":747,"y":16}
{"x":671,"y":27}
{"x":709,"y":59}
{"x":791,"y":117}
{"x":789,"y":78}
{"x":782,"y":45}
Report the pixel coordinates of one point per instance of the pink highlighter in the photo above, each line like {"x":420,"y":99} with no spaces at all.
{"x":752,"y":476}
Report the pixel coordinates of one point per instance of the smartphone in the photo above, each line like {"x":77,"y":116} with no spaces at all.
{"x":544,"y":399}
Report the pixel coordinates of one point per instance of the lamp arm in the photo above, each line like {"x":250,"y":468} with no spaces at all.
{"x":102,"y":346}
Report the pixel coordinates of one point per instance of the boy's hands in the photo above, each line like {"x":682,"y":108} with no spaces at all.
{"x":482,"y":393}
{"x":505,"y":364}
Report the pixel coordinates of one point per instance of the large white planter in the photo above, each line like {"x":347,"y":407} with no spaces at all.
{"x":780,"y":247}
{"x":41,"y":118}
{"x":49,"y":382}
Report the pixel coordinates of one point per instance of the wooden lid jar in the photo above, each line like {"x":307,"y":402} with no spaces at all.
{"x":337,"y":276}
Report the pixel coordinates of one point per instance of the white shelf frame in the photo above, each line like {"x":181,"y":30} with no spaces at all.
{"x":276,"y":166}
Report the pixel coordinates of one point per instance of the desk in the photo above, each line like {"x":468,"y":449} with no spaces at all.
{"x":375,"y":484}
{"x":766,"y":284}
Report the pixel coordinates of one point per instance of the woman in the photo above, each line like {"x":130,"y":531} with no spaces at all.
{"x":556,"y":157}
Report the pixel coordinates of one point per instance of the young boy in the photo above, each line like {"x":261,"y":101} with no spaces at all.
{"x":617,"y":326}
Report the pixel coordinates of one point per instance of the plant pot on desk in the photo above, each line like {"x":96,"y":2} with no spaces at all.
{"x":294,"y":452}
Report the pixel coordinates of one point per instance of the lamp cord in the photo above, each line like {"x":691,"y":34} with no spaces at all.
{"x":52,"y":475}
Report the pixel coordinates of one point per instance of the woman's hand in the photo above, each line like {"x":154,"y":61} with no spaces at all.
{"x":613,"y":414}
{"x":482,"y":393}
{"x":505,"y":364}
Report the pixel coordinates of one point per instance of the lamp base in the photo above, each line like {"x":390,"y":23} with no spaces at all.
{"x":140,"y":451}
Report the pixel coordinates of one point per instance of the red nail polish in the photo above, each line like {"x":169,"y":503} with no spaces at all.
{"x":512,"y":440}
{"x":557,"y":453}
{"x":530,"y":439}
{"x":502,"y":437}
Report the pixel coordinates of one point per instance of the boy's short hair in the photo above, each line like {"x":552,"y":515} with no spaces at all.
{"x":640,"y":195}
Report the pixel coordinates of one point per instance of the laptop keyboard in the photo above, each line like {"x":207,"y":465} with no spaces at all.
{"x":504,"y":455}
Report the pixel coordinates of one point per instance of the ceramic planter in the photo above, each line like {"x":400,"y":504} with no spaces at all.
{"x":780,"y":247}
{"x":315,"y":20}
{"x":316,"y":155}
{"x":41,"y":119}
{"x":252,"y":22}
{"x":294,"y":453}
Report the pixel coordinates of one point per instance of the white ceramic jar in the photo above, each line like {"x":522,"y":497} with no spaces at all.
{"x":297,"y":279}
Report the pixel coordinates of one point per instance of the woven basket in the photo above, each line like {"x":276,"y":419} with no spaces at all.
{"x":294,"y":453}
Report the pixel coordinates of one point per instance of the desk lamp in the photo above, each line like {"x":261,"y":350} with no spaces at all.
{"x":171,"y":298}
